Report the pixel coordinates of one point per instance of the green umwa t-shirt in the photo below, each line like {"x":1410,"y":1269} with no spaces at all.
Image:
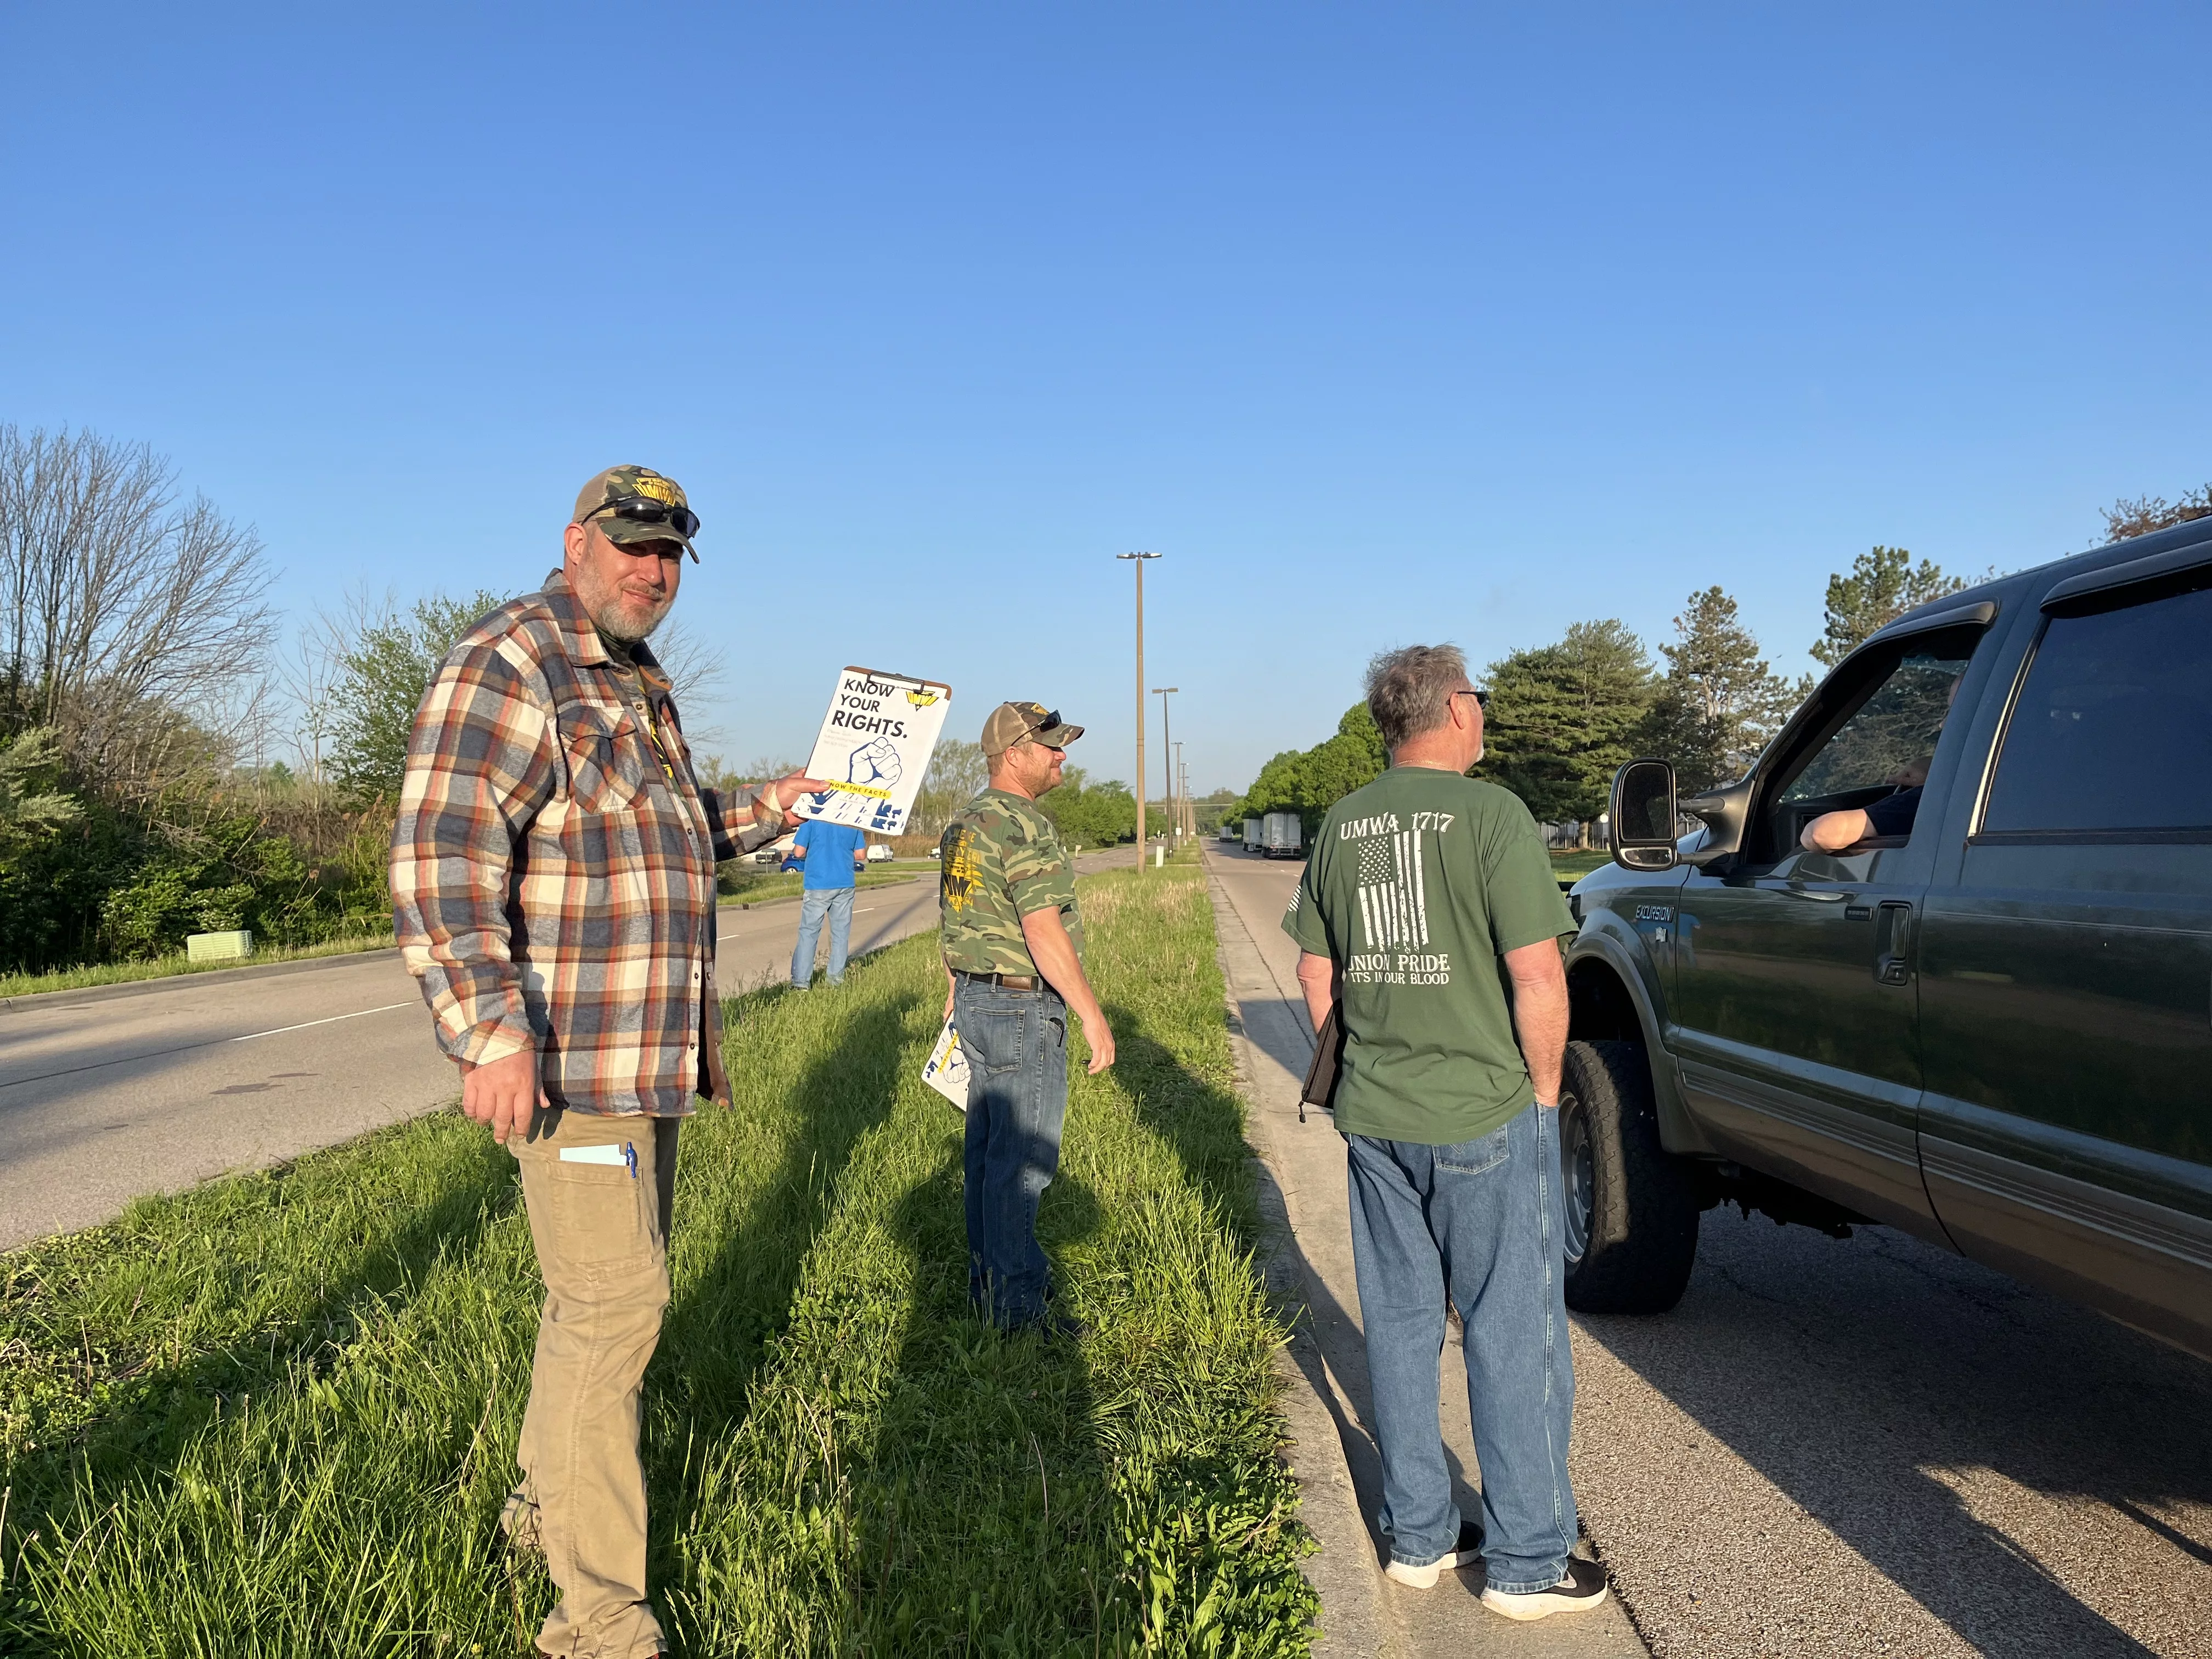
{"x":1416,"y":886}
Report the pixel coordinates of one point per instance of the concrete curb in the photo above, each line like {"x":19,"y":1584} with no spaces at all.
{"x":1345,"y":1572}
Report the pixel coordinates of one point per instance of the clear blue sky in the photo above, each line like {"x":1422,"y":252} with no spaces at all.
{"x":1383,"y":324}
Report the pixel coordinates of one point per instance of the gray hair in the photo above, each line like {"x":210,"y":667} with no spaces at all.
{"x":1409,"y":690}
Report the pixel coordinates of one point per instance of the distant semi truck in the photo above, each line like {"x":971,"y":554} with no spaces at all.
{"x":1282,"y":836}
{"x":1252,"y":828}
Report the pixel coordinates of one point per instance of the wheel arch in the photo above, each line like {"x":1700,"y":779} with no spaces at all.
{"x":1607,"y":999}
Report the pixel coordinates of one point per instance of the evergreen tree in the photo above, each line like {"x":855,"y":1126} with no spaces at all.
{"x":1563,"y":718}
{"x":1720,"y":700}
{"x":30,"y":808}
{"x":1883,"y":585}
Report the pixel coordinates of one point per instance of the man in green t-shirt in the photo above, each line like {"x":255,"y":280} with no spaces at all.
{"x":1425,"y":897}
{"x":1012,"y":938}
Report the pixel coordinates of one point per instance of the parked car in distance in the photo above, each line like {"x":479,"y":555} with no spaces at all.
{"x":879,"y":853}
{"x":1984,"y":1018}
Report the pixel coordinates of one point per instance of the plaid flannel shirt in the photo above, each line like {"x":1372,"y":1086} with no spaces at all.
{"x":552,"y":887}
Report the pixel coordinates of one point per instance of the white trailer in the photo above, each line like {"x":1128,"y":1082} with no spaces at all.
{"x":1252,"y":827}
{"x":1282,"y":836}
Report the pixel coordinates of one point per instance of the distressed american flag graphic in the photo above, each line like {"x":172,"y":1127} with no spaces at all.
{"x":1393,"y":904}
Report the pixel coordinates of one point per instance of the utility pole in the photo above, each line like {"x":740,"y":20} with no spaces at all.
{"x":1139,"y":559}
{"x":1168,"y":752}
{"x":1181,"y":807}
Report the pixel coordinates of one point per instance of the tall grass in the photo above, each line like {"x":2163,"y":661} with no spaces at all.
{"x":276,"y":1415}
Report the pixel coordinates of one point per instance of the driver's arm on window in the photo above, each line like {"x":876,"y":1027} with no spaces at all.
{"x":1831,"y":832}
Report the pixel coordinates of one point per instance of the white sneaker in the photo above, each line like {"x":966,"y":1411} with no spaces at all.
{"x":1465,"y":1553}
{"x":1583,"y":1586}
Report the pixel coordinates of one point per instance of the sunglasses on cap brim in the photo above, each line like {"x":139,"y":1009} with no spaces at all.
{"x":643,"y":509}
{"x":1050,"y":723}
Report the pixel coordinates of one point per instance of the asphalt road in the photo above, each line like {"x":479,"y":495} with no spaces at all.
{"x":1867,"y":1447}
{"x":109,"y":1094}
{"x":113,"y":1093}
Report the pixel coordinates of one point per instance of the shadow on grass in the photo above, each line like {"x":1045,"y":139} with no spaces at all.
{"x":1200,"y":1120}
{"x":984,"y":1521}
{"x":152,"y":1413}
{"x":723,"y":1322}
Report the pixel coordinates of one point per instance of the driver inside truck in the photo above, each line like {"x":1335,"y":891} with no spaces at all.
{"x":1891,"y":816}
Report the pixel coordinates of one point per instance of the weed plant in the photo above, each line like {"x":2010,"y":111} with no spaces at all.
{"x":276,"y":1414}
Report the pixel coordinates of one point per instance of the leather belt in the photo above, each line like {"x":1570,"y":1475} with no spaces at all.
{"x":1004,"y":981}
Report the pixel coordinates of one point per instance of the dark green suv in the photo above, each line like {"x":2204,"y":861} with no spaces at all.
{"x":1985,"y":1016}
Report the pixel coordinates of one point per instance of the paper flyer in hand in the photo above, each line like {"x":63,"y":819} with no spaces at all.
{"x":874,"y":749}
{"x":946,"y":1068}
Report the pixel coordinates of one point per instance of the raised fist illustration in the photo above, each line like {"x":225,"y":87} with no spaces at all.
{"x":876,"y":766}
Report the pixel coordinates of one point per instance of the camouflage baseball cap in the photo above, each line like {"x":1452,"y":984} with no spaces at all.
{"x":1015,"y":722}
{"x":624,"y":483}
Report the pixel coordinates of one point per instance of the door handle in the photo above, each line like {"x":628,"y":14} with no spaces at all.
{"x":1818,"y":898}
{"x":1893,"y":942}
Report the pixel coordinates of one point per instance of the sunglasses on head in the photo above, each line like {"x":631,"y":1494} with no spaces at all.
{"x":643,"y":509}
{"x":1050,"y":722}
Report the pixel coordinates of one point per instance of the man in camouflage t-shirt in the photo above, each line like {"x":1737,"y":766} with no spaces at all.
{"x":1014,"y":942}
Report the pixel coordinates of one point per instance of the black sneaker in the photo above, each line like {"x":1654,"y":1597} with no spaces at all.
{"x":1583,"y":1586}
{"x":1465,"y":1553}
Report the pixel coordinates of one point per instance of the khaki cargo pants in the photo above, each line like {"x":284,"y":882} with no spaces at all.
{"x":601,"y":1230}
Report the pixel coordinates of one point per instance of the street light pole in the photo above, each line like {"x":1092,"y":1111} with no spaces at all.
{"x":1167,"y":751}
{"x":1180,"y":804}
{"x":1139,"y":559}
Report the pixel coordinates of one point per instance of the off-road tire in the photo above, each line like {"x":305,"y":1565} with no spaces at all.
{"x":1642,"y":1232}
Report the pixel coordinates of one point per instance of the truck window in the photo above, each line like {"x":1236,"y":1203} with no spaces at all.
{"x":1890,"y":739}
{"x":2112,"y":732}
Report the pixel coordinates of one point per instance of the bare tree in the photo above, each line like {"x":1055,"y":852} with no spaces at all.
{"x":695,"y":672}
{"x":2124,"y":517}
{"x":124,"y":615}
{"x":308,"y":676}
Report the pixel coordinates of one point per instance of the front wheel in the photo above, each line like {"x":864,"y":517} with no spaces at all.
{"x":1630,"y":1206}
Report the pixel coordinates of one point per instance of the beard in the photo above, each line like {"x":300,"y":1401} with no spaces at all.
{"x":621,"y":619}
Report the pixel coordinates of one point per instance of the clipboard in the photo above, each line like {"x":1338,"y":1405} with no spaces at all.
{"x":946,"y":1068}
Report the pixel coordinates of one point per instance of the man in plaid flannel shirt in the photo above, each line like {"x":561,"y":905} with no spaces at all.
{"x":553,"y":888}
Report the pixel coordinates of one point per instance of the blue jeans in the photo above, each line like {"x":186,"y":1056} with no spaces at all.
{"x":1482,"y":1218}
{"x":1016,"y":1044}
{"x":837,"y":901}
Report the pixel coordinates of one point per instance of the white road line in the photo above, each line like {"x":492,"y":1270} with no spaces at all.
{"x":206,"y":1042}
{"x":279,"y":1030}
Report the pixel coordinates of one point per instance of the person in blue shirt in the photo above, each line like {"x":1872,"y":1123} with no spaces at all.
{"x":830,"y":854}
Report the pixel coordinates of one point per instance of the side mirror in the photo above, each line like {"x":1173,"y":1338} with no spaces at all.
{"x":1643,"y":816}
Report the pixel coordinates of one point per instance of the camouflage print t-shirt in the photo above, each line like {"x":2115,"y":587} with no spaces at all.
{"x":1000,"y":860}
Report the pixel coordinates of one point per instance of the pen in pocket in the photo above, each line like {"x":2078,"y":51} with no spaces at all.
{"x":630,"y":1156}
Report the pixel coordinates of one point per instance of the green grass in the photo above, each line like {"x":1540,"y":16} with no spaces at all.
{"x":276,"y":1414}
{"x":750,"y":884}
{"x":1577,"y":864}
{"x":118,"y":973}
